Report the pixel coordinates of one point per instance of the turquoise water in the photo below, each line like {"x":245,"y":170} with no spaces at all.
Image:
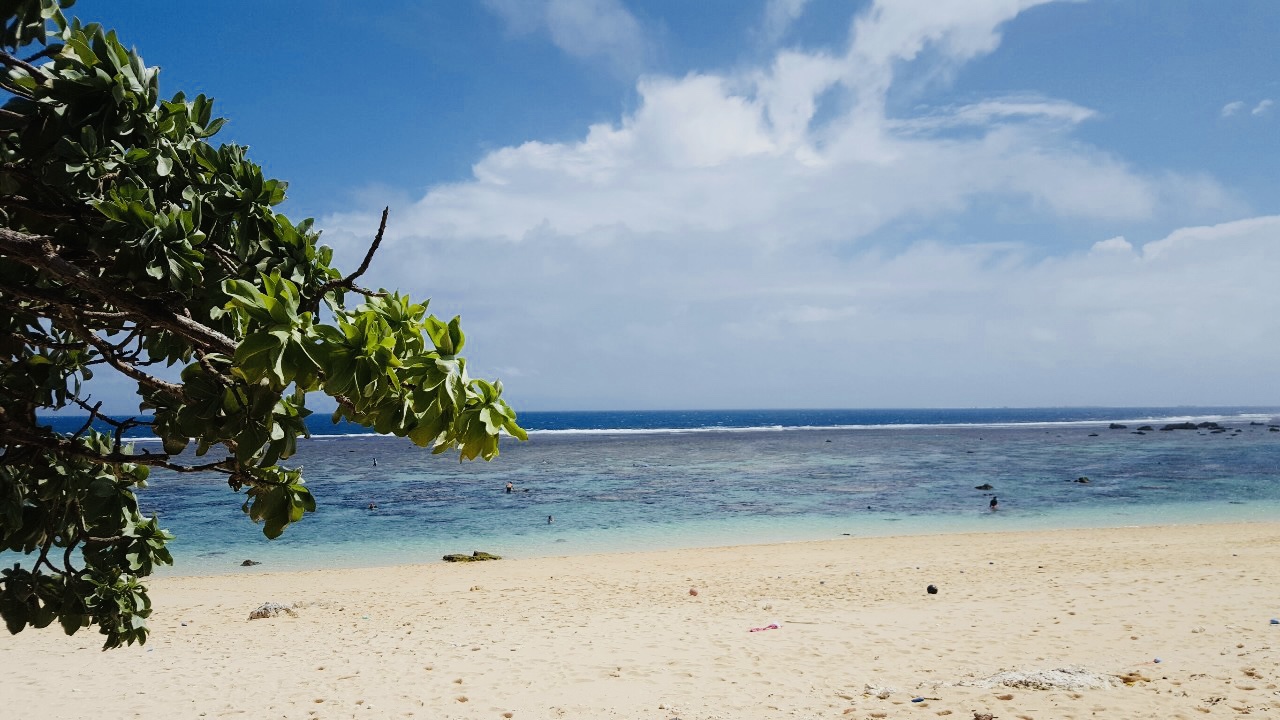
{"x":640,"y":488}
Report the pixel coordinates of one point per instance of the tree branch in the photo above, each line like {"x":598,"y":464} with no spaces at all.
{"x":365,"y":291}
{"x":368,"y":256}
{"x":44,"y":556}
{"x":93,"y":415}
{"x":101,"y":315}
{"x":44,"y":211}
{"x":38,"y":252}
{"x":123,"y":427}
{"x":109,"y":353}
{"x":48,"y":52}
{"x":203,"y":358}
{"x":44,"y":343}
{"x":62,"y":446}
{"x":11,"y":61}
{"x":348,"y":282}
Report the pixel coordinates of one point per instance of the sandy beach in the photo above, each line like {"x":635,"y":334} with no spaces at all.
{"x":1169,"y":622}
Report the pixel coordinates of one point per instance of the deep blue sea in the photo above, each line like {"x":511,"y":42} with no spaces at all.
{"x":620,"y":481}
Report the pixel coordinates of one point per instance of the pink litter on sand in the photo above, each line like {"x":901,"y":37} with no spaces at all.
{"x":770,"y":626}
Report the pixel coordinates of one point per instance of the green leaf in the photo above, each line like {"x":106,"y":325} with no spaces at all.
{"x":257,"y":355}
{"x":212,"y":280}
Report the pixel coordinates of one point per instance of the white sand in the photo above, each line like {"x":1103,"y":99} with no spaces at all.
{"x":620,"y":636}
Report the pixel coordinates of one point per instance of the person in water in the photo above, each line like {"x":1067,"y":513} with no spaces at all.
{"x":510,"y":487}
{"x":994,"y":503}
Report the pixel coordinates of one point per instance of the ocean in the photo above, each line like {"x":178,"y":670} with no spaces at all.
{"x":588,"y":482}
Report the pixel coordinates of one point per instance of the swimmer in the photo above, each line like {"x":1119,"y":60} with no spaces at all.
{"x":550,"y":519}
{"x":994,"y":503}
{"x":510,"y":487}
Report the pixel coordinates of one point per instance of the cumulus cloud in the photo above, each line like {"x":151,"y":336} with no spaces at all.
{"x":666,"y":320}
{"x":717,"y":246}
{"x":585,"y":29}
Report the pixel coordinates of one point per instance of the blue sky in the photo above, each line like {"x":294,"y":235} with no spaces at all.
{"x":783,"y":203}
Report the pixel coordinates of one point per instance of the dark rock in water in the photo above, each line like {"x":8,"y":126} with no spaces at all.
{"x":1082,"y":480}
{"x":1093,"y":434}
{"x":1179,"y":426}
{"x":932,"y":589}
{"x":247,"y":563}
{"x":1117,"y":426}
{"x":1254,"y":422}
{"x":1146,"y":428}
{"x":1219,"y":431}
{"x":476,"y":556}
{"x":1209,"y":425}
{"x":983,"y":486}
{"x":1273,"y":429}
{"x":1137,"y":432}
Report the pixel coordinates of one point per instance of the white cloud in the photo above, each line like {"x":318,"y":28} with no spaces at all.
{"x":720,"y":154}
{"x":585,"y":29}
{"x":989,"y":112}
{"x":894,"y":31}
{"x":778,"y":17}
{"x":664,"y":320}
{"x":1262,"y":109}
{"x":712,"y":247}
{"x":1113,"y":245}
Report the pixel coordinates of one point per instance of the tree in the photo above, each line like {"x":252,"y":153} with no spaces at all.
{"x":129,"y":243}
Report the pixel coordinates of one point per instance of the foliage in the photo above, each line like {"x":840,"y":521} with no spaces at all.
{"x":129,"y":242}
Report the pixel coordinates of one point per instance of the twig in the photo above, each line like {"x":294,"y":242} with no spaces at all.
{"x":44,"y":554}
{"x":368,"y":256}
{"x":93,"y":414}
{"x":11,"y":61}
{"x":48,"y":51}
{"x":348,"y":282}
{"x":109,"y":353}
{"x":15,"y":434}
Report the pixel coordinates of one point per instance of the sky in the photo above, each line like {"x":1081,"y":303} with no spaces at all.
{"x":782,"y":203}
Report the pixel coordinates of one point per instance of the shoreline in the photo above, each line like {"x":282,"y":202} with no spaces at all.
{"x":610,"y":542}
{"x":620,"y":634}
